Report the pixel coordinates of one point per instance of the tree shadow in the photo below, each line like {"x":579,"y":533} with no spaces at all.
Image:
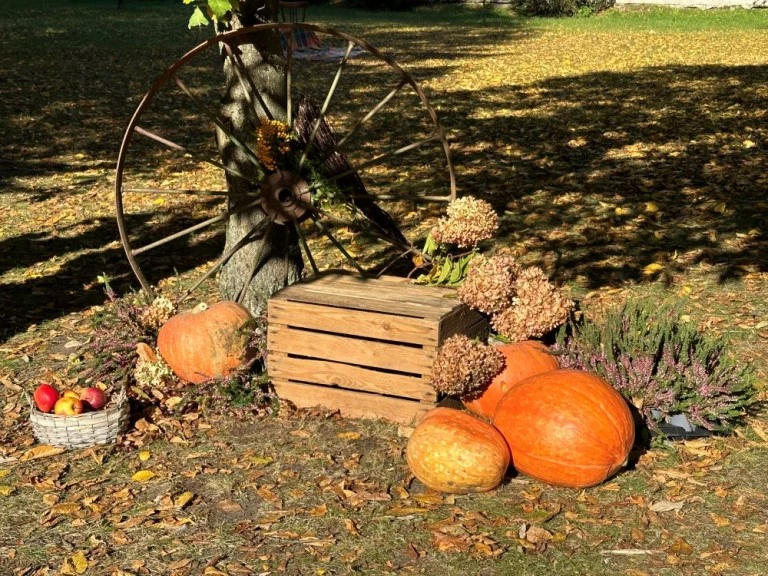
{"x":602,"y":174}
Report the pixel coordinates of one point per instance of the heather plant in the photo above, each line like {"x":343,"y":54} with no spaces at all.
{"x":662,"y":364}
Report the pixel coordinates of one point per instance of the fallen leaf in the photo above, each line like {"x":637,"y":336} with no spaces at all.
{"x":183,"y":499}
{"x":179,"y":564}
{"x":143,"y":476}
{"x":144,"y":455}
{"x":666,"y":506}
{"x":720,"y":521}
{"x":80,"y":562}
{"x":653,"y":268}
{"x":680,"y":546}
{"x":6,"y":490}
{"x":42,"y":451}
{"x":349,"y":435}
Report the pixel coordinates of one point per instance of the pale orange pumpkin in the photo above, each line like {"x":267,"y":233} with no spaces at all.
{"x":566,"y":427}
{"x":203,"y":344}
{"x":522,"y":360}
{"x":452,"y":451}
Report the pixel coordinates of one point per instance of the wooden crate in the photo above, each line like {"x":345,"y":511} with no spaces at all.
{"x":362,"y":346}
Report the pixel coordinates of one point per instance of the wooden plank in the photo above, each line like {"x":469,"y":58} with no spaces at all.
{"x":326,"y":373}
{"x":389,"y":297}
{"x":414,"y":360}
{"x":460,"y":318}
{"x":352,"y":404}
{"x":395,"y":328}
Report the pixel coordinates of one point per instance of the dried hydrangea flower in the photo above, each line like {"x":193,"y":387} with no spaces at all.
{"x":464,"y":366}
{"x":490,"y":283}
{"x":157,"y":313}
{"x":537,"y":308}
{"x":469,"y":222}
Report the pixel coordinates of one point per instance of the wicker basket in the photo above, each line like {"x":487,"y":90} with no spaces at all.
{"x":81,"y":430}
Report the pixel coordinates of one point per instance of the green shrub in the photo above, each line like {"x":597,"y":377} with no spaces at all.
{"x":662,"y":364}
{"x":562,"y":7}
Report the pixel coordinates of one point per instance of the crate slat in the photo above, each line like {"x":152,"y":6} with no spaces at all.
{"x":349,"y":376}
{"x":350,"y":350}
{"x":353,"y":322}
{"x":351,"y":403}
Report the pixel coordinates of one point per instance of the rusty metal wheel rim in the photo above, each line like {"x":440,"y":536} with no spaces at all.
{"x":303,"y":209}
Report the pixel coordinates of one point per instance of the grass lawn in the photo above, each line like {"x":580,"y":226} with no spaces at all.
{"x":626,"y":154}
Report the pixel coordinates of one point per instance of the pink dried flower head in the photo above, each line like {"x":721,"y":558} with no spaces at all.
{"x":469,"y":222}
{"x":490,"y":283}
{"x":537,"y":308}
{"x":464,"y":366}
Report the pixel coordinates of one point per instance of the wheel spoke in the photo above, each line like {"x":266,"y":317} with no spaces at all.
{"x":379,"y":159}
{"x":413,"y":197}
{"x":256,"y":262}
{"x":198,"y":226}
{"x":194,"y":155}
{"x":227,"y":255}
{"x":220,"y":125}
{"x":289,"y":83}
{"x":305,"y":245}
{"x":375,"y":110}
{"x":326,"y":103}
{"x":186,"y":191}
{"x":336,"y":243}
{"x":245,"y":78}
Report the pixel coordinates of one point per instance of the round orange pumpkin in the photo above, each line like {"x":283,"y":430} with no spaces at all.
{"x":203,"y":344}
{"x":522,"y":360}
{"x":452,"y":451}
{"x":566,"y":427}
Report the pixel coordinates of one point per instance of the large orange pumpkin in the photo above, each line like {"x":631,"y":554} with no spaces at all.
{"x":199,"y":345}
{"x":566,"y":427}
{"x":452,"y":451}
{"x":522,"y":360}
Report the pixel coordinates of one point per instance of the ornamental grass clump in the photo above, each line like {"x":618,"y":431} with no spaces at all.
{"x":663,"y":365}
{"x":464,"y":366}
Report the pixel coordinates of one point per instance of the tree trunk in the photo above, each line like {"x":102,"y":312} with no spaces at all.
{"x":279,"y":253}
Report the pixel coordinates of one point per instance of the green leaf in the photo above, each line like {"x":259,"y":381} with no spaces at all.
{"x":429,"y":245}
{"x":445,"y":271}
{"x":189,"y":1}
{"x":197,"y":19}
{"x":219,"y":8}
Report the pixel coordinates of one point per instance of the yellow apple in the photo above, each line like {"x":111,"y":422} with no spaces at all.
{"x":68,"y":406}
{"x":70,"y":394}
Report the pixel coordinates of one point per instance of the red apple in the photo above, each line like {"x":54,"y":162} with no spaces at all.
{"x":68,"y":406}
{"x":45,"y":397}
{"x":94,"y":398}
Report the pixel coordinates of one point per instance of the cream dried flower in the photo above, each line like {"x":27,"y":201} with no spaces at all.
{"x":151,"y":375}
{"x":490,"y":283}
{"x":537,"y":308}
{"x":157,"y":313}
{"x":464,"y":366}
{"x":469,"y":221}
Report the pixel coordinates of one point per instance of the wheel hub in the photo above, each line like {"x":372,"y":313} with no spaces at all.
{"x":285,"y":197}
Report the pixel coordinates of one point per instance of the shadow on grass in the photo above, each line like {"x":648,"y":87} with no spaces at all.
{"x":605,"y":173}
{"x":576,"y":163}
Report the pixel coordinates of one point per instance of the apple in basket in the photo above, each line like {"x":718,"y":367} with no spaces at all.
{"x":94,"y":397}
{"x":45,"y":397}
{"x":68,"y":406}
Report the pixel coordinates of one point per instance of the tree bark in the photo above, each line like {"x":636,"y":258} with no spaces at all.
{"x":278,"y":251}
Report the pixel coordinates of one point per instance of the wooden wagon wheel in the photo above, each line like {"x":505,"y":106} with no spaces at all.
{"x":362,"y":136}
